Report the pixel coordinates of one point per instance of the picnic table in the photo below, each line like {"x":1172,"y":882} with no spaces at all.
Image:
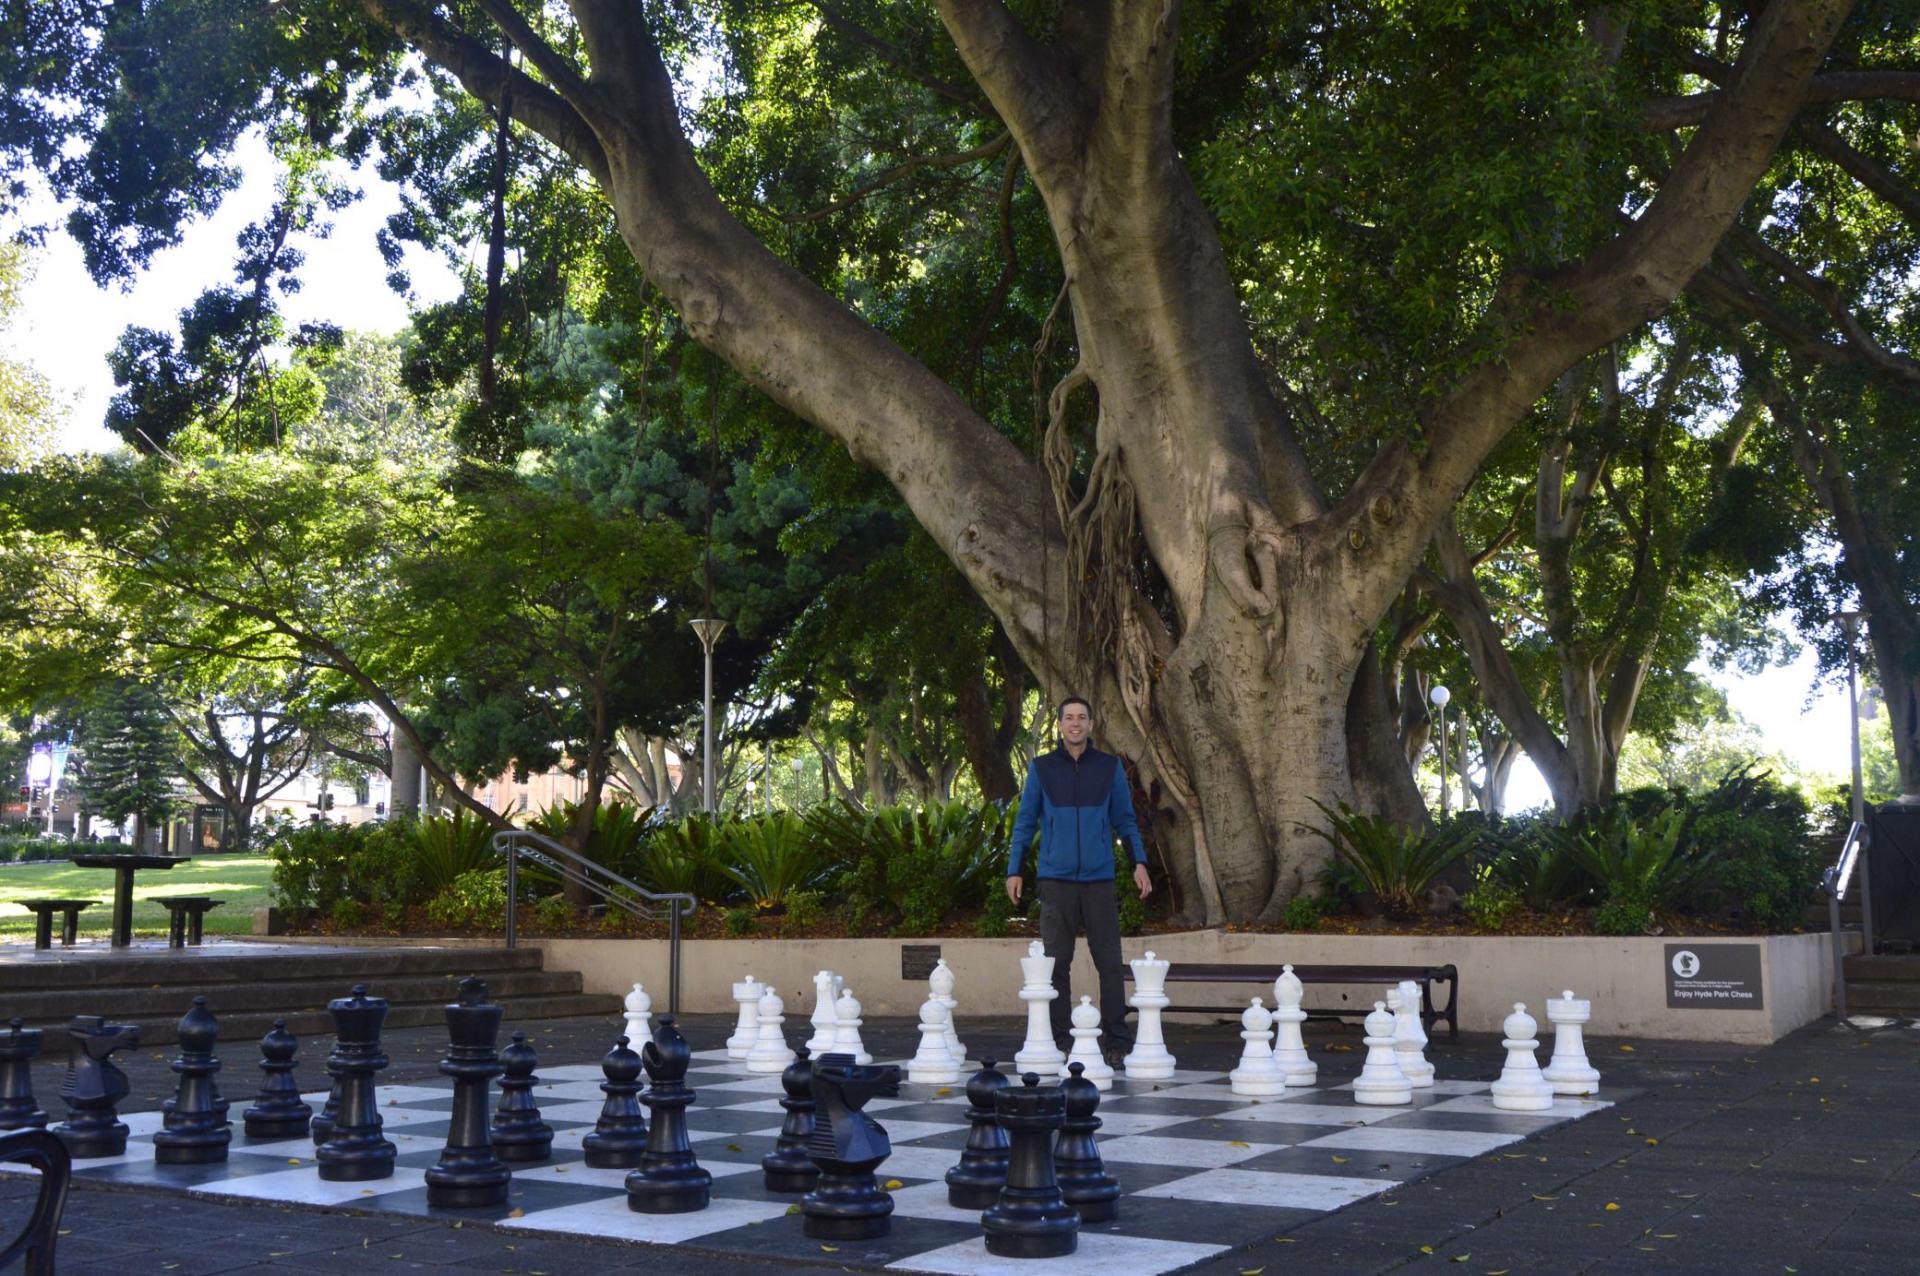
{"x":124,"y":867}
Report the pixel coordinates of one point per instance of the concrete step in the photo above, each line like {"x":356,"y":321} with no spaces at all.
{"x":217,"y":963}
{"x":1896,"y":997}
{"x":123,"y":1002}
{"x":1883,"y":968}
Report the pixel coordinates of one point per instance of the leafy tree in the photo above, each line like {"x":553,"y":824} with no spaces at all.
{"x":129,"y":752}
{"x":1311,"y":266}
{"x":28,"y":405}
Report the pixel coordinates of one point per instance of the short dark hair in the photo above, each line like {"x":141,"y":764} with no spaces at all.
{"x":1061,"y":712}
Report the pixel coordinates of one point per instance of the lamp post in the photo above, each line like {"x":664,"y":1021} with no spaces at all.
{"x":798,"y":765}
{"x":1850,"y":622}
{"x":1440,"y":696}
{"x":708,"y":630}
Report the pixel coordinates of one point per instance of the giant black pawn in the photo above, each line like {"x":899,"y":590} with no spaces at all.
{"x":1031,"y":1219}
{"x":519,"y":1133}
{"x":195,"y":1132}
{"x":1083,"y":1178}
{"x":329,"y":1112}
{"x":278,"y":1112}
{"x":355,"y":1151}
{"x":620,"y":1135}
{"x":848,"y":1145}
{"x":669,"y":1180}
{"x":94,"y":1086}
{"x":788,"y":1168}
{"x":975,"y":1183}
{"x":469,"y":1175}
{"x":18,"y":1049}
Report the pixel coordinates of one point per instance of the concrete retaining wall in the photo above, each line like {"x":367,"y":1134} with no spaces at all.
{"x":1626,"y":978}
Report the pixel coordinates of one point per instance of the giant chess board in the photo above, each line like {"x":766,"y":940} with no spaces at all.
{"x":1203,"y":1170}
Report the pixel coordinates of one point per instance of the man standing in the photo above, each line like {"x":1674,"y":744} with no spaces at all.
{"x":1079,"y":799}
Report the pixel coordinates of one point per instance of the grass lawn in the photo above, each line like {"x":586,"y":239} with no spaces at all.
{"x":240,"y":880}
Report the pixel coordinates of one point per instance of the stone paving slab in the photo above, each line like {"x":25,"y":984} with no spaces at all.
{"x":1803,"y":1157}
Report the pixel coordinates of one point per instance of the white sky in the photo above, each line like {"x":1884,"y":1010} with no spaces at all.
{"x":70,"y":326}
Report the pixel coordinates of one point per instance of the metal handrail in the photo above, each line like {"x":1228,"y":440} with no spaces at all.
{"x":1837,"y":880}
{"x":571,"y":866}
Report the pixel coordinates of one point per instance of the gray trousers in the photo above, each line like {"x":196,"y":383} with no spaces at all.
{"x":1066,"y":908}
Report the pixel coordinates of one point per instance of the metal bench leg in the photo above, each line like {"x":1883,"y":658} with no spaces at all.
{"x":176,"y":929}
{"x":199,"y":921}
{"x":70,"y":928}
{"x":43,"y":928}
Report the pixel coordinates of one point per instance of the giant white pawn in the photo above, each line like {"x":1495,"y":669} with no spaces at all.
{"x":1039,"y":1054}
{"x":940,"y":984}
{"x":1521,"y":1088}
{"x":1568,"y":1072}
{"x":846,"y":1029}
{"x":639,"y":1007}
{"x":1257,"y":1076}
{"x":1086,"y":1046}
{"x":1381,"y":1083}
{"x":1409,"y":1038}
{"x":932,"y":1063}
{"x":826,"y":990}
{"x":1289,"y":1047}
{"x":770,"y":1052}
{"x":746,"y":1031}
{"x":1149,"y":1059}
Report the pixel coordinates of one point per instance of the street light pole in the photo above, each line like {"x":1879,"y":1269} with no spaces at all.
{"x":708,"y":630}
{"x":1440,"y":696}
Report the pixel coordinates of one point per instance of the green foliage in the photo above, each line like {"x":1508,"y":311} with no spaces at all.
{"x":347,"y":912}
{"x":806,"y":908}
{"x":474,"y":900}
{"x":996,"y":919}
{"x":1133,"y":909}
{"x":686,"y":859}
{"x":1758,"y":835}
{"x":1490,"y":903}
{"x":28,"y":847}
{"x":1303,"y":912}
{"x":908,"y":869}
{"x":770,"y":857}
{"x":1637,"y":864}
{"x":448,"y":847}
{"x":312,"y":867}
{"x":1527,"y":857}
{"x":552,"y":912}
{"x":1391,"y":864}
{"x":1624,"y":915}
{"x":740,"y":921}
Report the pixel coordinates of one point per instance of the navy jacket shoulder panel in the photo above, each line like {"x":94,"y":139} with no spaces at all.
{"x":1087,"y":783}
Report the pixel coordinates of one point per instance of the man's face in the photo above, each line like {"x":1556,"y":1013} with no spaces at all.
{"x":1076,"y":724}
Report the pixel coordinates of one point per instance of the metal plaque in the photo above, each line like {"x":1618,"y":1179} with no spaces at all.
{"x":918,"y":960}
{"x":1713,"y":977}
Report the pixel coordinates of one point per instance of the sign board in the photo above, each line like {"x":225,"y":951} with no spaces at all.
{"x":918,"y":960}
{"x":1713,"y":977}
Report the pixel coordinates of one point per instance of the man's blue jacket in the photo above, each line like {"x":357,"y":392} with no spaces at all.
{"x":1078,"y":805}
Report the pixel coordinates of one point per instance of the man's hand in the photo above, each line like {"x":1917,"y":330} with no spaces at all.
{"x":1141,"y":880}
{"x":1013,"y":890}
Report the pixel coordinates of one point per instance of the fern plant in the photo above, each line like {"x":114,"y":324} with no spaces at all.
{"x":771,"y":857}
{"x":446,"y":847}
{"x":1392,"y":864}
{"x":1647,"y":863}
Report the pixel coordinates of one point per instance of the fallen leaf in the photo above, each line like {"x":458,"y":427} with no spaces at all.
{"x":943,"y":1091}
{"x":516,"y":1212}
{"x":1251,"y":1271}
{"x":1666,"y":1236}
{"x":1545,"y":1198}
{"x":1813,"y":1080}
{"x":792,"y":1210}
{"x":1340,"y":1160}
{"x":1653,"y":1143}
{"x":893,"y":1185}
{"x":733,"y":1147}
{"x":1426,"y":1249}
{"x":1625,"y":1049}
{"x":293,"y":1160}
{"x":1238,"y":1143}
{"x":1613,"y":1207}
{"x":829,"y":1249}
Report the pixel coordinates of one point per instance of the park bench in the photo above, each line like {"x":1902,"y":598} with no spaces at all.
{"x":186,"y":915}
{"x":1190,"y":972}
{"x":43,"y":911}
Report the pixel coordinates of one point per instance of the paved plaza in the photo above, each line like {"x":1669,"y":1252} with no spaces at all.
{"x":1799,"y":1157}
